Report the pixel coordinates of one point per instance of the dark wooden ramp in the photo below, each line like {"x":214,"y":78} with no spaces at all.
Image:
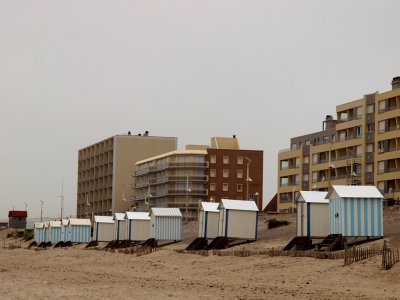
{"x":299,"y":243}
{"x":220,"y":242}
{"x":199,"y":243}
{"x":331,"y":243}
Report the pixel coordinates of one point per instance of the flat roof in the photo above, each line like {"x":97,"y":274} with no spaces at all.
{"x":166,"y":212}
{"x":210,"y":206}
{"x":104,"y":219}
{"x":175,"y":152}
{"x":136,"y":215}
{"x":84,"y":222}
{"x":119,"y":216}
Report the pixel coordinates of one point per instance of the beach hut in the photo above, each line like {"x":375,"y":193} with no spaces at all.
{"x":138,"y":226}
{"x":166,"y":224}
{"x":64,"y":230}
{"x":79,"y":230}
{"x":103,"y":228}
{"x":46,"y":231}
{"x":38,"y":232}
{"x":120,"y":227}
{"x":355,"y":211}
{"x":55,"y":232}
{"x":238,"y":219}
{"x":312,"y":218}
{"x":208,"y":220}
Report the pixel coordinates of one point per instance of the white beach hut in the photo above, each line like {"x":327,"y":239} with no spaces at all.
{"x":208,"y":220}
{"x":103,"y":228}
{"x":238,"y":219}
{"x":138,"y":226}
{"x":166,"y":224}
{"x":55,"y":232}
{"x":79,"y":230}
{"x":355,"y":211}
{"x":312,"y":214}
{"x":39,"y":232}
{"x":120,"y":227}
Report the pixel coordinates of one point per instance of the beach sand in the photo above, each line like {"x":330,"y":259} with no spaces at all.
{"x":77,"y":273}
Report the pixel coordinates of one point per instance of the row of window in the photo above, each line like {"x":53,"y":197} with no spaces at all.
{"x":225,"y":173}
{"x":225,"y":160}
{"x":225,"y":187}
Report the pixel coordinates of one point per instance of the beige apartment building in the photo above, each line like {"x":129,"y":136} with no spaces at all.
{"x":360,"y":147}
{"x":104,"y":171}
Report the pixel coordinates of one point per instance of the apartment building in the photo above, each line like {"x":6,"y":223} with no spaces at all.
{"x":361,"y":147}
{"x":104,"y":171}
{"x":184,"y":178}
{"x":174,"y":179}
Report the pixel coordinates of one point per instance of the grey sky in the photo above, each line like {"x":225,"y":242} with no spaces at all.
{"x":75,"y":72}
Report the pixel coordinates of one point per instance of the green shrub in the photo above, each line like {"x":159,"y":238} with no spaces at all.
{"x":28,"y":234}
{"x":273,"y":223}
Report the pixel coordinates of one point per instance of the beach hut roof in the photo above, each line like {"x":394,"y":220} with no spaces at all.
{"x":248,"y":205}
{"x":104,"y":219}
{"x":209,"y":206}
{"x":85,"y":222}
{"x":64,"y":222}
{"x":166,"y":212}
{"x":355,"y":191}
{"x":55,"y":223}
{"x":119,"y":216}
{"x":39,"y":224}
{"x":136,"y":215}
{"x":312,"y":197}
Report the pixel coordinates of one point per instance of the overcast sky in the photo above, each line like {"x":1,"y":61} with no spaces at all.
{"x":76,"y":72}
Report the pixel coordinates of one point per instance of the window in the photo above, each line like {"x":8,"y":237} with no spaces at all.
{"x":370,"y":108}
{"x":225,"y":173}
{"x":359,"y":112}
{"x":213,"y":159}
{"x":314,"y":176}
{"x":296,"y":179}
{"x":239,"y":187}
{"x":308,"y":143}
{"x":358,"y":150}
{"x":213,"y":173}
{"x":370,"y":148}
{"x":294,"y":146}
{"x":226,"y":160}
{"x":358,"y":131}
{"x":306,"y":159}
{"x":297,"y":162}
{"x":212,"y":186}
{"x":382,"y":106}
{"x":370,"y":168}
{"x":240,"y":160}
{"x":381,"y":167}
{"x":239,"y":173}
{"x":225,"y":187}
{"x":315,"y":158}
{"x":382,"y":126}
{"x":284,"y":164}
{"x":381,"y":146}
{"x":370,"y":127}
{"x":305,"y":177}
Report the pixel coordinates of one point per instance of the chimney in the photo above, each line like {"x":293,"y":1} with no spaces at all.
{"x":396,"y":83}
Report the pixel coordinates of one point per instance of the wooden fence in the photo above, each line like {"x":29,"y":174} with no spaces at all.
{"x":276,"y":252}
{"x":355,"y":254}
{"x":390,"y":256}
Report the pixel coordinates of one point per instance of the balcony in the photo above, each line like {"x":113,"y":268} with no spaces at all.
{"x":171,"y":166}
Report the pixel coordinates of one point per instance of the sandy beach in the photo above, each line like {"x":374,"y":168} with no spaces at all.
{"x":76,"y":272}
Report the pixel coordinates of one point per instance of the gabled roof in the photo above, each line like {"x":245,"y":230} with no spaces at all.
{"x":104,"y":219}
{"x":39,"y":225}
{"x":119,"y":216}
{"x":248,"y":205}
{"x":313,"y":197}
{"x":354,"y":191}
{"x":209,"y":206}
{"x":84,"y":222}
{"x":17,"y":214}
{"x":166,"y":212}
{"x":136,"y":215}
{"x":55,"y":223}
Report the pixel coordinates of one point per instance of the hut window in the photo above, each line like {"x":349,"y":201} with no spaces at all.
{"x":225,"y":187}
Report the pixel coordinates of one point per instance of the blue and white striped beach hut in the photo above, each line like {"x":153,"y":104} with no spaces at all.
{"x":355,"y":211}
{"x":39,"y":232}
{"x":79,"y":230}
{"x":120,"y":227}
{"x":64,"y":230}
{"x":55,"y":232}
{"x":166,"y":224}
